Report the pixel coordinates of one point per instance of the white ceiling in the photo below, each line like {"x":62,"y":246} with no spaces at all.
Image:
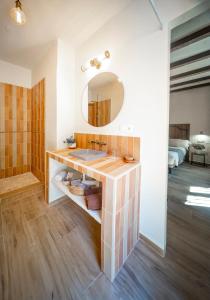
{"x":48,"y":20}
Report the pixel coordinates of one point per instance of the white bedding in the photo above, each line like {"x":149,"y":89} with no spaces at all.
{"x":173,"y":157}
{"x":181,"y":148}
{"x":179,"y":143}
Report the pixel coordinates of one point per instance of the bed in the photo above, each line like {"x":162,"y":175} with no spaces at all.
{"x":179,"y":135}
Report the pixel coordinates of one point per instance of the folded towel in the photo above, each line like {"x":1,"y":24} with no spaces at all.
{"x":61,"y":175}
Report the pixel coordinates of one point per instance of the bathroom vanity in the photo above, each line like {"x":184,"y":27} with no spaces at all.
{"x":119,"y":216}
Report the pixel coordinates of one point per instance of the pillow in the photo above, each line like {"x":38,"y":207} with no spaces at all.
{"x":179,"y":143}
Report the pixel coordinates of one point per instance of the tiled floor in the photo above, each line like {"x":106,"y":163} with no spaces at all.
{"x":46,"y":252}
{"x":53,"y":252}
{"x":17,"y":182}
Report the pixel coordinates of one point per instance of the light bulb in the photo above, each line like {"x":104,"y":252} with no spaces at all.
{"x":17,"y":14}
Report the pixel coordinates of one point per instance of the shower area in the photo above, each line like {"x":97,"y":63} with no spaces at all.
{"x":22,"y":131}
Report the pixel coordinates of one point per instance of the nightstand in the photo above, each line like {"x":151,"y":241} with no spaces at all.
{"x":195,"y":152}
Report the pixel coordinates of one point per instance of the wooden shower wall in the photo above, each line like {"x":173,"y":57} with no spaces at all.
{"x":38,"y":130}
{"x":22,"y":130}
{"x":15,"y":130}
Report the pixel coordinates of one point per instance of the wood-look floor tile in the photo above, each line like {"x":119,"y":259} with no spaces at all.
{"x":102,"y":289}
{"x":53,"y":252}
{"x":32,"y":207}
{"x":3,"y":271}
{"x":185,"y":271}
{"x":79,"y":258}
{"x":45,"y":253}
{"x":14,"y":228}
{"x":54,"y":271}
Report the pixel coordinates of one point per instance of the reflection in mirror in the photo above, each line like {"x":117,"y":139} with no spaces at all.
{"x":102,"y":99}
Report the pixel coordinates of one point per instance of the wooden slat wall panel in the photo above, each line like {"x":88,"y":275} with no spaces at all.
{"x":179,"y":131}
{"x":121,"y":145}
{"x":127,"y":216}
{"x":15,"y":138}
{"x":38,"y":130}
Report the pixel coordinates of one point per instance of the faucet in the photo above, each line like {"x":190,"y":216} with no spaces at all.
{"x":97,"y":143}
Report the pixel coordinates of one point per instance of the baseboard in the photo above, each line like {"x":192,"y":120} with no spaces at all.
{"x":57,"y":201}
{"x":152,"y":245}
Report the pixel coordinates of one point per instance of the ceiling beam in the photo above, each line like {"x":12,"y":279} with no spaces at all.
{"x":190,"y":59}
{"x":192,"y":66}
{"x":191,"y":38}
{"x":192,"y":72}
{"x":191,"y":50}
{"x":189,"y":81}
{"x":193,"y":24}
{"x":191,"y":87}
{"x":191,"y":77}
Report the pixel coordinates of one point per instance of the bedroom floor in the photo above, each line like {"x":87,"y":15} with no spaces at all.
{"x":189,"y":227}
{"x":39,"y":258}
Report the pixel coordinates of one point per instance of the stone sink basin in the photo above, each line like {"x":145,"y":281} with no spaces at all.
{"x":88,"y":154}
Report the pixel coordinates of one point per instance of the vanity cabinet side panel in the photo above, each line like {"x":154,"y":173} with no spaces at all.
{"x":46,"y":192}
{"x":127,"y":216}
{"x":108,"y":227}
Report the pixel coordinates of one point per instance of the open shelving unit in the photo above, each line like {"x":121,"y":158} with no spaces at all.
{"x":79,"y":200}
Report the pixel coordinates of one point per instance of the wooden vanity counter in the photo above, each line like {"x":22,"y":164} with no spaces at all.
{"x":120,"y":202}
{"x":106,"y":166}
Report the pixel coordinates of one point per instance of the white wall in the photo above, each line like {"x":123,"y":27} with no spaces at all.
{"x":58,"y":69}
{"x":139,"y":56}
{"x":65,"y":92}
{"x":47,"y":69}
{"x":193,"y":107}
{"x":15,"y":75}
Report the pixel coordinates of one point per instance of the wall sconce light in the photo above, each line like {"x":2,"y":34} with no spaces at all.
{"x":201,"y":137}
{"x":96,"y":62}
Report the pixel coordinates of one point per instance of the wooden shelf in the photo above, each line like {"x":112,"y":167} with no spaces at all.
{"x":79,"y":200}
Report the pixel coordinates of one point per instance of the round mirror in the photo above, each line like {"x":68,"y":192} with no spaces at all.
{"x":102,"y":99}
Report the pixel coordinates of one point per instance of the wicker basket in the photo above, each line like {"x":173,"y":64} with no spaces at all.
{"x":77,"y":190}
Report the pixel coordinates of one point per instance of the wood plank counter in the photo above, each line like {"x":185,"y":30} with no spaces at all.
{"x":120,"y":202}
{"x":106,"y":166}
